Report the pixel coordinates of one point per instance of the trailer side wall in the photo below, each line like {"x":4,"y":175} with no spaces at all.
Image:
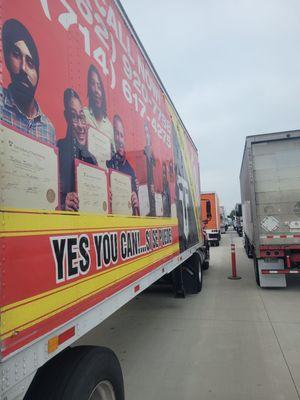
{"x":102,"y":130}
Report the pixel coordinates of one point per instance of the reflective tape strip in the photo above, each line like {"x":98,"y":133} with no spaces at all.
{"x":279,"y":271}
{"x":279,"y":236}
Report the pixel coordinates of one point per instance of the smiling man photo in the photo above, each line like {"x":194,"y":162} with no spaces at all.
{"x":18,"y":106}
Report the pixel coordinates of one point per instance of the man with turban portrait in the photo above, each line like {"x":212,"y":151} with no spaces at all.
{"x":18,"y":106}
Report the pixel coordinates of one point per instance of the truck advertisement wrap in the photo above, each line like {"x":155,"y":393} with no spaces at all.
{"x":98,"y":173}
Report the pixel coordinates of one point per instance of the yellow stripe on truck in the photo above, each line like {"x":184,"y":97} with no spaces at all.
{"x":24,"y":223}
{"x":24,"y":314}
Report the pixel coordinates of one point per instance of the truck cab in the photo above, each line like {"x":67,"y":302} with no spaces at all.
{"x":211,"y":217}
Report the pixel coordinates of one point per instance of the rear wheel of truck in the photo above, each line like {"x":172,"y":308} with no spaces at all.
{"x":248,"y":248}
{"x":256,"y":271}
{"x":79,"y":373}
{"x":217,"y":243}
{"x":205,"y":265}
{"x":192,"y":276}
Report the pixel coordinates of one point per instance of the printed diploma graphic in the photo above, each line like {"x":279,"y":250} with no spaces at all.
{"x":144,"y":199}
{"x":100,"y":146}
{"x":91,"y":188}
{"x":159,"y":204}
{"x":120,"y":186}
{"x":29,"y":172}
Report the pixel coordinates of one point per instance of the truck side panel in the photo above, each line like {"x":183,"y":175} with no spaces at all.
{"x":246,"y":183}
{"x":135,"y":213}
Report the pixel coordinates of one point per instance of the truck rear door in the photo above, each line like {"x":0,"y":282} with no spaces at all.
{"x":276,"y":173}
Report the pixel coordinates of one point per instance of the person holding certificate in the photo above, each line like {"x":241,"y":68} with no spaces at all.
{"x":73,"y":146}
{"x":18,"y":106}
{"x":96,"y":113}
{"x":166,"y":197}
{"x":119,"y":163}
{"x":150,"y":160}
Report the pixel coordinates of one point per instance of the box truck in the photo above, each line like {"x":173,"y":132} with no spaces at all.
{"x":99,"y":193}
{"x":270,"y":192}
{"x":211,"y":217}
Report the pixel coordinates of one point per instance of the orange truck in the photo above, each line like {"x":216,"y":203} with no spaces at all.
{"x":210,"y":211}
{"x":99,"y":193}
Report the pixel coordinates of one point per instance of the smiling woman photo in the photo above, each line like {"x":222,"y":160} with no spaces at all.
{"x":73,"y":146}
{"x":96,"y":112}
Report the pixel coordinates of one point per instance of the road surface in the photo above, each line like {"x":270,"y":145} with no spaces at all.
{"x":233,"y":341}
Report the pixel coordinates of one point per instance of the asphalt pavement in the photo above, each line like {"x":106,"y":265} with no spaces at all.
{"x":232,"y":341}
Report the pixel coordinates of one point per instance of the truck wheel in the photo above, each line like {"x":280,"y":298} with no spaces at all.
{"x":256,"y":271}
{"x":217,"y":243}
{"x":205,"y":265}
{"x":192,"y":275}
{"x":79,"y":373}
{"x":248,"y":248}
{"x":249,"y":251}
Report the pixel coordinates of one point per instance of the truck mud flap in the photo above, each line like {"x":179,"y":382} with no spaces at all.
{"x":274,"y":280}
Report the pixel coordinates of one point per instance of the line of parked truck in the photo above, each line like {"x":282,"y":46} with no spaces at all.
{"x":268,"y":216}
{"x":85,"y":225}
{"x":269,"y":213}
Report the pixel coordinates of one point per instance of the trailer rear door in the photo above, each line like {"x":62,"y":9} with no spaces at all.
{"x":276,"y":172}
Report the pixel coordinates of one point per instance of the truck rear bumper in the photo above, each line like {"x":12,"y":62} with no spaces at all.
{"x":213,"y":235}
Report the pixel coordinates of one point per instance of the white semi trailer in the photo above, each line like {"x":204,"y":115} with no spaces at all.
{"x":270,"y":192}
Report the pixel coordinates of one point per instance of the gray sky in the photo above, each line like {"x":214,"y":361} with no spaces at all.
{"x":231,"y":67}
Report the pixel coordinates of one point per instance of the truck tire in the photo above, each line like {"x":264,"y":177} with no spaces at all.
{"x":192,"y":275}
{"x":205,"y":265}
{"x":217,"y":243}
{"x":256,"y":271}
{"x":79,"y":373}
{"x":248,"y":248}
{"x":177,"y":280}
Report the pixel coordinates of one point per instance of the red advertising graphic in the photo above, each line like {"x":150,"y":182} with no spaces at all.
{"x":81,"y":270}
{"x":86,"y":87}
{"x":99,"y":184}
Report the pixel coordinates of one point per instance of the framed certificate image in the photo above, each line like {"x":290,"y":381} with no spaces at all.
{"x":173,"y":210}
{"x":144,"y":200}
{"x":158,"y":204}
{"x":100,"y":146}
{"x":29,"y":172}
{"x":92,"y":189}
{"x":120,"y":186}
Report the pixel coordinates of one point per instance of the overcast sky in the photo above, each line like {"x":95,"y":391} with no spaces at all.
{"x":232,"y":69}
